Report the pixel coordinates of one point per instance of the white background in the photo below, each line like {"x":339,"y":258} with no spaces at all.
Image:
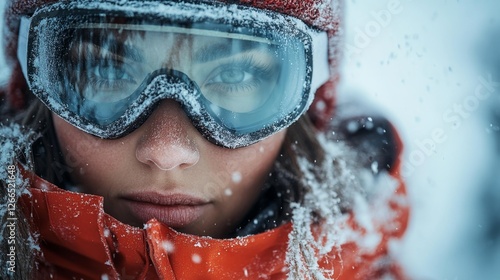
{"x":416,"y":60}
{"x":418,"y":63}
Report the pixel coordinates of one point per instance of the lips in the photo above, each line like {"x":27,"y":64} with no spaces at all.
{"x":174,"y":210}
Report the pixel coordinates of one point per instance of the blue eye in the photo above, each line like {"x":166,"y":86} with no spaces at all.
{"x":110,"y":72}
{"x":230,"y":79}
{"x":106,"y":76}
{"x":242,"y":84}
{"x":101,"y":72}
{"x":239,"y":77}
{"x":233,"y":76}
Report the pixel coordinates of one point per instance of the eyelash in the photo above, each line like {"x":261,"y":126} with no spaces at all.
{"x":259,"y":71}
{"x":91,"y":60}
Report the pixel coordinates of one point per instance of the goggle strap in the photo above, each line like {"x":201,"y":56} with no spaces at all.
{"x":22,"y":47}
{"x":320,"y":60}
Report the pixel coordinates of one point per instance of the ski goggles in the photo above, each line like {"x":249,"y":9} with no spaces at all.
{"x":240,"y":74}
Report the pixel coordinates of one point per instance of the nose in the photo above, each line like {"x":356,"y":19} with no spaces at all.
{"x":167,"y":139}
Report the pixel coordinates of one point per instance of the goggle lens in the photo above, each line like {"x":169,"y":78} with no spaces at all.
{"x":105,"y":73}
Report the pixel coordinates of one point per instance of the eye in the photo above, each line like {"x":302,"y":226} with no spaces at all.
{"x":232,"y":76}
{"x":111,"y":72}
{"x":236,"y":79}
{"x":241,"y":84}
{"x":241,"y":77}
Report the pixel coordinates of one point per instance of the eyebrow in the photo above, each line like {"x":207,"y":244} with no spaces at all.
{"x":222,"y":50}
{"x":126,"y":51}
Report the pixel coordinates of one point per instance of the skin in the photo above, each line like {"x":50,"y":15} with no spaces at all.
{"x":167,"y":155}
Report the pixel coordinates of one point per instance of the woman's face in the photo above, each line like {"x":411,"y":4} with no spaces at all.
{"x":167,"y":170}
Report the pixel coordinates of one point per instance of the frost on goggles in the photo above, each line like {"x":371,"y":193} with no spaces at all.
{"x":105,"y":72}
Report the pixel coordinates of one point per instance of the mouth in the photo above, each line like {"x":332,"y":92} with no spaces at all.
{"x":174,"y":210}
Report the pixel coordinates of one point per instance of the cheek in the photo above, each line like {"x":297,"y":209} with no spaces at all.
{"x":87,"y":158}
{"x":257,"y":160}
{"x":246,"y":171}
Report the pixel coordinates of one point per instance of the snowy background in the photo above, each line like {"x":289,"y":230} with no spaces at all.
{"x":426,"y":64}
{"x":432,"y":66}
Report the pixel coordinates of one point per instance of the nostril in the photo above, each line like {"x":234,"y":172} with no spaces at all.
{"x":180,"y":159}
{"x":168,"y":157}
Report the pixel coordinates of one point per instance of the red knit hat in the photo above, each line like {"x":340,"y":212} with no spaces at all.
{"x":322,"y":14}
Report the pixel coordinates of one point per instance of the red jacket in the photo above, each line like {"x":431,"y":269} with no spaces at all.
{"x":78,"y":240}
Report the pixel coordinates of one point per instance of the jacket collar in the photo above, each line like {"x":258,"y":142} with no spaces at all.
{"x":77,"y":238}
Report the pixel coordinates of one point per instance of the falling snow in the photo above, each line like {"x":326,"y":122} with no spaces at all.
{"x":196,"y":258}
{"x":236,"y":177}
{"x":168,"y":246}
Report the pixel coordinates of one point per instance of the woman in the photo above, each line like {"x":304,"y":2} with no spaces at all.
{"x":177,"y":140}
